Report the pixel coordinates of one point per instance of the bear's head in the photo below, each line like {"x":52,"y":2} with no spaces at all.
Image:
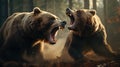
{"x":43,"y":25}
{"x":83,"y":22}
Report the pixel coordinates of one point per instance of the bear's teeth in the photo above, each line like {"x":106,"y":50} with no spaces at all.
{"x":52,"y":37}
{"x":70,"y":14}
{"x":56,"y":33}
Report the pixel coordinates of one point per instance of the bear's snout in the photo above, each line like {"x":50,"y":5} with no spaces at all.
{"x":62,"y":24}
{"x":68,"y":11}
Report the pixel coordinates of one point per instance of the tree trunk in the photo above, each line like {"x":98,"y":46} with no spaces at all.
{"x":14,"y":7}
{"x":10,"y":7}
{"x":94,"y":5}
{"x":28,"y":5}
{"x":3,"y":11}
{"x":105,"y":10}
{"x":86,"y":4}
{"x":70,"y":4}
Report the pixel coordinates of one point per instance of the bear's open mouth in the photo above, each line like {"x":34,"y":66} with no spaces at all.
{"x":72,"y":19}
{"x":53,"y":34}
{"x":69,"y":13}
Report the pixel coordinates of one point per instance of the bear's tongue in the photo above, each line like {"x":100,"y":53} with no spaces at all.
{"x":52,"y":39}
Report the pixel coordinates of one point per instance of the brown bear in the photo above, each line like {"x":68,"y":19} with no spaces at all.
{"x":21,"y":30}
{"x":87,"y":32}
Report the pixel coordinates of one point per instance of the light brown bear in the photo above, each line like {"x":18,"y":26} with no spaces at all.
{"x":87,"y":32}
{"x":21,"y":30}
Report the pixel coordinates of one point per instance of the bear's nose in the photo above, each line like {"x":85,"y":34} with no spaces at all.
{"x":62,"y":24}
{"x":68,"y":9}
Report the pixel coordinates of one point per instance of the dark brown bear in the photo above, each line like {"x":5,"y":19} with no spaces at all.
{"x":21,"y":30}
{"x":86,"y":32}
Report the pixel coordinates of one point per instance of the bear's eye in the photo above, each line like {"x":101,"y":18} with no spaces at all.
{"x":51,"y":19}
{"x":51,"y":22}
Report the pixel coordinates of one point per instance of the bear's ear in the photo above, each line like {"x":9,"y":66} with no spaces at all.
{"x":93,"y":12}
{"x":36,"y":10}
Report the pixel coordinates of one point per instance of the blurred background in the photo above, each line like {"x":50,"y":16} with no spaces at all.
{"x":108,"y":11}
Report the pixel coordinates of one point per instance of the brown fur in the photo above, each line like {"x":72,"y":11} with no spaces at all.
{"x":87,"y":32}
{"x":21,"y":30}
